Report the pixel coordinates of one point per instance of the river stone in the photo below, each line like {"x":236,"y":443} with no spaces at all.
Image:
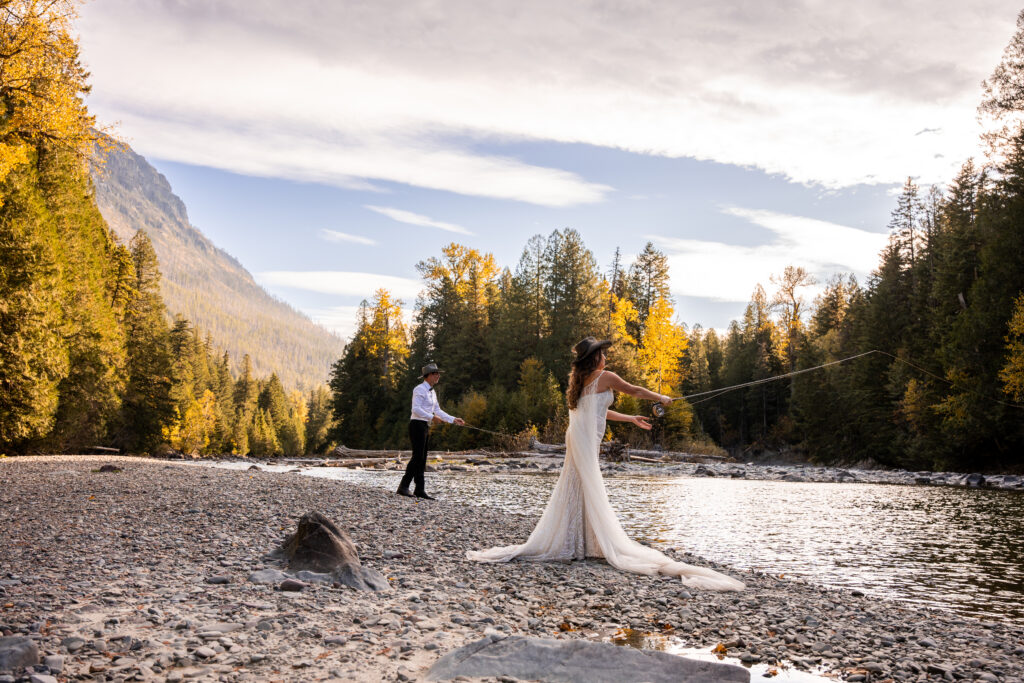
{"x":362,"y":578}
{"x":577,"y":661}
{"x":268,"y":576}
{"x":974,"y":480}
{"x":318,"y":545}
{"x":17,"y":652}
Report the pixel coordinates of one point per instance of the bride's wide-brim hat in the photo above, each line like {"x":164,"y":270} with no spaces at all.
{"x":587,"y":346}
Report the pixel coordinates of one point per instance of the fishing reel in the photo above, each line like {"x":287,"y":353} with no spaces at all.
{"x":659,"y":410}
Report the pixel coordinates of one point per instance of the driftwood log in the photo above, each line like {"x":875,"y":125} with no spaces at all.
{"x":619,"y":452}
{"x":345,"y":452}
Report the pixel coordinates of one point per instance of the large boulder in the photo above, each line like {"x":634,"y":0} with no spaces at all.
{"x":318,"y":545}
{"x":577,"y":661}
{"x":17,"y":652}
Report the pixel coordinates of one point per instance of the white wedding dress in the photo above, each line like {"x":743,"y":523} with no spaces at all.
{"x":579,"y":522}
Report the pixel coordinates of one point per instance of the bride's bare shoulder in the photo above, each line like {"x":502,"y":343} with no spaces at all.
{"x":609,"y":380}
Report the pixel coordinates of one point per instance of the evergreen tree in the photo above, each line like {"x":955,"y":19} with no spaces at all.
{"x":147,"y":405}
{"x":648,"y":281}
{"x":573,"y":298}
{"x":33,"y":356}
{"x":318,"y":422}
{"x":460,"y":292}
{"x":90,"y":394}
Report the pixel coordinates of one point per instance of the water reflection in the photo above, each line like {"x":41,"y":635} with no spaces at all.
{"x":951,"y":548}
{"x":667,"y":643}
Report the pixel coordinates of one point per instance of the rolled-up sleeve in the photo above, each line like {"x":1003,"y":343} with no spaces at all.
{"x":441,"y":414}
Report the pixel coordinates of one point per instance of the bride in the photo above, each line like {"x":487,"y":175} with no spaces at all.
{"x":578,"y":521}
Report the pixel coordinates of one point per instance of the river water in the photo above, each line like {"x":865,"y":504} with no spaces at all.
{"x":954,"y":549}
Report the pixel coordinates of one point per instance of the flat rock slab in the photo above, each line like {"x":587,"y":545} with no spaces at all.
{"x":17,"y":652}
{"x":577,"y":661}
{"x":268,"y":576}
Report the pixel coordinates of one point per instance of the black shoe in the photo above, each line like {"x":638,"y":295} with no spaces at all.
{"x":404,"y":492}
{"x":423,"y":495}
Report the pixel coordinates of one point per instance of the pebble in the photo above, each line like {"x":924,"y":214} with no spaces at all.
{"x":55,"y":663}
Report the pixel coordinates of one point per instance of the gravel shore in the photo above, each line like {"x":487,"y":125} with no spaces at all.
{"x":143,"y":574}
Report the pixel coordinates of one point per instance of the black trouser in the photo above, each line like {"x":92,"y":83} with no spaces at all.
{"x":419,"y":434}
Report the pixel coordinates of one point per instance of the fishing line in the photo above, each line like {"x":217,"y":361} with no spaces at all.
{"x":659,"y":410}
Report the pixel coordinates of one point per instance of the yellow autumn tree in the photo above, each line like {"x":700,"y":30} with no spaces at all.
{"x":470,"y":274}
{"x":42,"y":82}
{"x":385,"y":336}
{"x":622,"y":318}
{"x":1012,"y":373}
{"x":663,"y":345}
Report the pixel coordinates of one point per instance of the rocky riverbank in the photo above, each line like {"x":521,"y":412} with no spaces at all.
{"x":145,"y":574}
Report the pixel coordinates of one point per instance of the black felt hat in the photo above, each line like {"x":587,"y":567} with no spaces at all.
{"x":588,"y":345}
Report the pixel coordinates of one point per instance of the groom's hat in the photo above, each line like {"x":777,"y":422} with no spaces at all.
{"x":587,"y":346}
{"x":429,"y":369}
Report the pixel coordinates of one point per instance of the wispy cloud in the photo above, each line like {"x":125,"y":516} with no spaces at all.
{"x":729,"y":272}
{"x":416,"y":219}
{"x":344,"y":320}
{"x":350,"y":93}
{"x":341,"y":283}
{"x":335,"y":236}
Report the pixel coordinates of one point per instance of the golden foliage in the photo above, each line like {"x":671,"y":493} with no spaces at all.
{"x":41,"y":82}
{"x":663,"y":345}
{"x":385,"y":335}
{"x":471,"y":274}
{"x":623,"y":314}
{"x":1012,"y":373}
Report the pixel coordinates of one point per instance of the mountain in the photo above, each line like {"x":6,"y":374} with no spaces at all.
{"x":208,"y":286}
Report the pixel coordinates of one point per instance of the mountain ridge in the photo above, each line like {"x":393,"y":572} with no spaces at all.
{"x":208,"y":286}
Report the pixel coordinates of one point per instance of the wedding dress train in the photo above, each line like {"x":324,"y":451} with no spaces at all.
{"x":579,"y":522}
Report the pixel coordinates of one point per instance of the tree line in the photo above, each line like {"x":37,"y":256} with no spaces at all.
{"x":945,"y":305}
{"x":504,"y":338}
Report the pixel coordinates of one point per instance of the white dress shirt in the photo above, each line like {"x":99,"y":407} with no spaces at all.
{"x":425,"y":405}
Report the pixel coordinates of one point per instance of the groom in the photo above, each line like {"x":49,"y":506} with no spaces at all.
{"x":425,"y":409}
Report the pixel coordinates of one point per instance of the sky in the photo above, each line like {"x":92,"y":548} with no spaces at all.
{"x":332,"y":145}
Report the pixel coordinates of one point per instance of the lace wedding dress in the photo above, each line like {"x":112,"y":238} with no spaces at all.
{"x":579,"y":522}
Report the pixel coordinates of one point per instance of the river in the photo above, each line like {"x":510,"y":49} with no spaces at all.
{"x":949,"y":548}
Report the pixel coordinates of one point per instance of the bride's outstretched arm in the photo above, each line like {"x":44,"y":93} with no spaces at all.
{"x":639,"y":420}
{"x":613,"y":381}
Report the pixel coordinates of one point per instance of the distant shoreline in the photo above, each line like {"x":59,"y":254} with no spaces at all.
{"x":765,"y":471}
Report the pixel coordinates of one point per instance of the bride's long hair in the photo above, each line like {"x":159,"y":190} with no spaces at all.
{"x":581,"y":369}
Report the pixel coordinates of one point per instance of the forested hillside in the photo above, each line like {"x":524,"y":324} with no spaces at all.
{"x":88,"y":353}
{"x":205,"y":284}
